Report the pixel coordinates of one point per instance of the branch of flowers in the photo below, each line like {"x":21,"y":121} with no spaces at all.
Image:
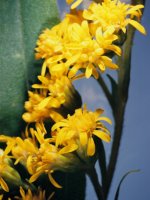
{"x":97,"y":186}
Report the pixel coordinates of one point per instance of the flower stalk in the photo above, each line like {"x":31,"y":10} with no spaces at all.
{"x":120,"y":100}
{"x":97,"y":186}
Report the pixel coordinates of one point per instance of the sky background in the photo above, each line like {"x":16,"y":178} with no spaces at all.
{"x":135,"y":144}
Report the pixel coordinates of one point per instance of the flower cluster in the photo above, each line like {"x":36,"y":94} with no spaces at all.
{"x":84,"y":39}
{"x":82,"y":45}
{"x":40,"y":195}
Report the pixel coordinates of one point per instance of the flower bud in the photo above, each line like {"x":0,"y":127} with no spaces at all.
{"x":7,"y":172}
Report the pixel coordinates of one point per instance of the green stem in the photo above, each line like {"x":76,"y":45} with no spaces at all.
{"x":105,"y":90}
{"x":120,"y":103}
{"x":123,"y":87}
{"x":102,"y":161}
{"x":94,"y":179}
{"x":122,"y":97}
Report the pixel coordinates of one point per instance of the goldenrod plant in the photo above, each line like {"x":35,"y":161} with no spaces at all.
{"x":60,"y":136}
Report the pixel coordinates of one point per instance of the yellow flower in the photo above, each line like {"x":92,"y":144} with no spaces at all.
{"x":23,"y":149}
{"x":60,"y":92}
{"x":39,"y":195}
{"x":48,"y":158}
{"x":3,"y":166}
{"x":51,"y":44}
{"x":1,"y":197}
{"x":55,"y":93}
{"x":70,"y":46}
{"x":36,"y":154}
{"x":39,"y":108}
{"x":85,"y":52}
{"x":75,"y":4}
{"x":7,"y":172}
{"x":81,"y":127}
{"x":58,"y":89}
{"x":113,"y":13}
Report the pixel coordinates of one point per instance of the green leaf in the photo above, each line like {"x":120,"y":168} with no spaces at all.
{"x":21,"y":22}
{"x":118,"y":189}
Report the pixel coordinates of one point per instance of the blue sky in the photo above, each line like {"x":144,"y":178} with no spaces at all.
{"x":135,"y":144}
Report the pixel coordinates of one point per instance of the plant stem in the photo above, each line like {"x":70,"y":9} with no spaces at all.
{"x":105,"y":90}
{"x":94,"y":179}
{"x":120,"y":101}
{"x":102,"y":161}
{"x":123,"y":87}
{"x":122,"y":97}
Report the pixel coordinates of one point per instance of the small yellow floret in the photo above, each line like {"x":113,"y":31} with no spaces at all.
{"x":75,"y":4}
{"x":82,"y":126}
{"x":114,"y":13}
{"x":39,"y":195}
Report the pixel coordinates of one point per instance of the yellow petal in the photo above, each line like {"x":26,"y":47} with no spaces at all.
{"x":56,"y":117}
{"x":102,"y":67}
{"x":73,"y":70}
{"x":58,"y":69}
{"x":70,"y":134}
{"x":138,"y":26}
{"x":1,"y":196}
{"x":116,"y":49}
{"x":44,"y":80}
{"x":35,"y":176}
{"x":134,"y":8}
{"x":105,"y":119}
{"x":77,"y":77}
{"x":17,"y":161}
{"x":108,"y":62}
{"x":29,"y":164}
{"x":54,"y":59}
{"x":22,"y":192}
{"x":90,"y":147}
{"x":76,"y":4}
{"x":110,"y":30}
{"x":72,"y":60}
{"x":60,"y":137}
{"x":43,"y":69}
{"x":69,"y":1}
{"x":102,"y":135}
{"x":4,"y":184}
{"x":53,"y":181}
{"x":83,"y":138}
{"x":44,"y":103}
{"x":88,"y":71}
{"x":9,"y":147}
{"x":54,"y":103}
{"x":69,"y":148}
{"x":99,"y":34}
{"x":38,"y":86}
{"x":59,"y":124}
